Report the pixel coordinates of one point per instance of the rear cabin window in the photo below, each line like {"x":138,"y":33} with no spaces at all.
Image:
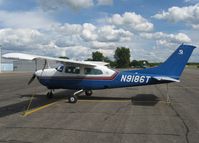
{"x":72,"y":70}
{"x":92,"y":71}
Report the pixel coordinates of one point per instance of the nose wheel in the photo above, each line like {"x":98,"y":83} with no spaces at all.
{"x":72,"y":99}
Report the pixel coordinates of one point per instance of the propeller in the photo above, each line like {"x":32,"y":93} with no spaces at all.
{"x":31,"y":79}
{"x":34,"y":74}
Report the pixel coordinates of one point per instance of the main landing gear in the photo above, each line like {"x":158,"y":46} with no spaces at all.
{"x":50,"y":94}
{"x":88,"y":92}
{"x":73,"y":98}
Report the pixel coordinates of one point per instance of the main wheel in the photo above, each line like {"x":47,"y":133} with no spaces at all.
{"x":49,"y":95}
{"x":88,"y":92}
{"x":72,"y":99}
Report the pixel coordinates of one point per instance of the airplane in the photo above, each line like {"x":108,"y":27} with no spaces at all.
{"x":85,"y":76}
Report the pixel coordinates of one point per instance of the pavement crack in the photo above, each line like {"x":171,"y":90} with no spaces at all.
{"x":184,"y":123}
{"x":117,"y":111}
{"x":97,"y":131}
{"x":14,"y":141}
{"x":187,"y":130}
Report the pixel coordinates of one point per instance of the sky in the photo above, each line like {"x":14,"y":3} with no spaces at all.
{"x":151,"y":29}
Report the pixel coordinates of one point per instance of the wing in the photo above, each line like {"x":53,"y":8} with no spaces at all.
{"x":21,"y":56}
{"x":165,"y":78}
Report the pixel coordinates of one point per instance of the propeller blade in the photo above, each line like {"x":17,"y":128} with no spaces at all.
{"x":32,"y":78}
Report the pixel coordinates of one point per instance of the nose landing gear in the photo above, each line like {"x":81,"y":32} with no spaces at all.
{"x":73,"y":98}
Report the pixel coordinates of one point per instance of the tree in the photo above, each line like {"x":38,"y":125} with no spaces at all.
{"x":122,"y":57}
{"x":97,"y":56}
{"x":140,"y":64}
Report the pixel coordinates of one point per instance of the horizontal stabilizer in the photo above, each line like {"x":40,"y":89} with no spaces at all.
{"x":165,"y":78}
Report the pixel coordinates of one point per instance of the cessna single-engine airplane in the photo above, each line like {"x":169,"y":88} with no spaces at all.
{"x":85,"y":76}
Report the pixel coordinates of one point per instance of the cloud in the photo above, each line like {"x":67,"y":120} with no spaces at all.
{"x":104,"y":2}
{"x":178,"y":38}
{"x":131,"y":21}
{"x":20,"y":39}
{"x":111,"y":34}
{"x":191,"y":1}
{"x":43,"y":36}
{"x":56,"y":40}
{"x":51,"y":5}
{"x":60,"y":4}
{"x":167,"y":40}
{"x":106,"y":33}
{"x":67,"y":29}
{"x":103,"y":45}
{"x":89,"y":32}
{"x":77,"y":52}
{"x":188,"y":15}
{"x":30,"y":19}
{"x":76,"y":40}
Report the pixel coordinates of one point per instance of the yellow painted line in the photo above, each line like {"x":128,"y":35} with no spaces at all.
{"x":26,"y":113}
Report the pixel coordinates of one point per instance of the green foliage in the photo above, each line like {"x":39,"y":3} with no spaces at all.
{"x":139,"y":64}
{"x":193,"y":64}
{"x":97,"y":56}
{"x":106,"y":59}
{"x":89,"y":59}
{"x":154,"y":64}
{"x":122,"y":57}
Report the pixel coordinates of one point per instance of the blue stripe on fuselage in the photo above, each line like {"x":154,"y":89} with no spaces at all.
{"x":122,"y":79}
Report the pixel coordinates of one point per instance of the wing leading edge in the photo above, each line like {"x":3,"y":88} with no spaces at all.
{"x":21,"y":56}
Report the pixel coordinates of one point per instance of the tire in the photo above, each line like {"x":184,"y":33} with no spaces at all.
{"x":72,"y":99}
{"x":49,"y":95}
{"x":88,"y":92}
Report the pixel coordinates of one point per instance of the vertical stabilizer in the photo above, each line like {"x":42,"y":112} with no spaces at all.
{"x":175,"y":64}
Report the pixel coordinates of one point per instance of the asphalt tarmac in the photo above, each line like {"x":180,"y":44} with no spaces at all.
{"x":125,"y":115}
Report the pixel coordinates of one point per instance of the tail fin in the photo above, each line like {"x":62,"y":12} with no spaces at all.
{"x":175,"y":64}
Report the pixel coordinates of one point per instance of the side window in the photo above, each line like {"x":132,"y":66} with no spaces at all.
{"x":73,"y":70}
{"x":92,"y":71}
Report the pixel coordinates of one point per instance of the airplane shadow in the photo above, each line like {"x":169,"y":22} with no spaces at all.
{"x":145,"y":100}
{"x":38,"y":101}
{"x":139,"y":99}
{"x":84,"y":97}
{"x":41,"y":100}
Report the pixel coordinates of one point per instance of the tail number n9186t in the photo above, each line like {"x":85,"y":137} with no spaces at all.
{"x":135,"y":78}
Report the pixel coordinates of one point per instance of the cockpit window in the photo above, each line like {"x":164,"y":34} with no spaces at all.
{"x":60,"y":68}
{"x":72,"y":69}
{"x":92,"y":71}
